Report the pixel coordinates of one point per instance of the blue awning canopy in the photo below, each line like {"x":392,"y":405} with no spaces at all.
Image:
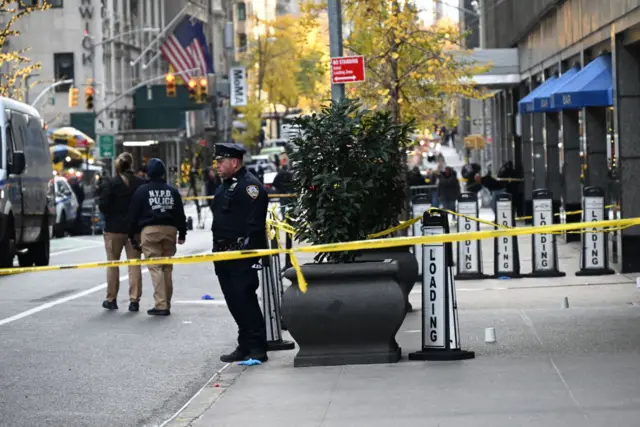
{"x":544,"y":91}
{"x":591,"y":87}
{"x":525,"y":105}
{"x":544,"y":101}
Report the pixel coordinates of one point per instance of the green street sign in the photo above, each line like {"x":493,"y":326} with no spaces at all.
{"x":107,"y":144}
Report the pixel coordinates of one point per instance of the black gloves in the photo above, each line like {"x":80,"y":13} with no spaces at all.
{"x":135,"y":244}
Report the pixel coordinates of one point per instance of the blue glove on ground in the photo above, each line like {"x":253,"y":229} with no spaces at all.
{"x":250,"y":362}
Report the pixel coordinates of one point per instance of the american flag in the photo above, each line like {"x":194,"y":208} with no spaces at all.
{"x":186,"y":48}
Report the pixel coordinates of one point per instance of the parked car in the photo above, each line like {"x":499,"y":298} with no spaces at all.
{"x":27,"y":194}
{"x":66,"y":207}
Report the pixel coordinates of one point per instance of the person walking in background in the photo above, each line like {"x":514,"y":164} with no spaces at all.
{"x":283,"y":183}
{"x":448,"y":188}
{"x":77,"y":189}
{"x":211,"y":182}
{"x":142,"y":172}
{"x":115,"y":198}
{"x":415,"y":178}
{"x":157,"y":214}
{"x":508,"y":172}
{"x":432,"y":179}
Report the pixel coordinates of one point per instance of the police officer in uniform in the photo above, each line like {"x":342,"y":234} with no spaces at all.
{"x":239,"y":222}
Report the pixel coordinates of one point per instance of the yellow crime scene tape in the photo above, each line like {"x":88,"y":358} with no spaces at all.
{"x":339,"y":247}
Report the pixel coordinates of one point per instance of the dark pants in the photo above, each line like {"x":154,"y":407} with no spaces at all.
{"x":449,"y":205}
{"x":239,"y":283}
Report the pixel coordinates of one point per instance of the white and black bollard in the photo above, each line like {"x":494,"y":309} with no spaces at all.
{"x":440,"y":329}
{"x":506,"y":261}
{"x":594,"y":259}
{"x":469,"y":261}
{"x":418,"y":207}
{"x":544,"y":246}
{"x":271,"y":302}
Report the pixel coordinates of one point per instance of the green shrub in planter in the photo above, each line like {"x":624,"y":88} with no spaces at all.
{"x":348,"y":168}
{"x":348,"y":175}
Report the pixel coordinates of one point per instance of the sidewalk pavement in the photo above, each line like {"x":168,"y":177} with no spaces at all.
{"x":550,"y":366}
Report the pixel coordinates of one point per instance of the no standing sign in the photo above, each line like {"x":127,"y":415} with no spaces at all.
{"x":347,"y":69}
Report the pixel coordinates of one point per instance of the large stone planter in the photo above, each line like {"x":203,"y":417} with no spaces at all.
{"x":349,"y":315}
{"x":409,"y":270}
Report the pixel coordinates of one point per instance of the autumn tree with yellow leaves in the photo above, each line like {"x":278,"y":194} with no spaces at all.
{"x":288,"y":63}
{"x":414,"y":71}
{"x":14,"y":64}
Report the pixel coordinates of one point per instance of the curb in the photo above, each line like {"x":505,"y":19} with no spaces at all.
{"x":206,"y":397}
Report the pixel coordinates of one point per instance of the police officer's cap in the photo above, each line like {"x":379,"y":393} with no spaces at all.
{"x":229,"y":150}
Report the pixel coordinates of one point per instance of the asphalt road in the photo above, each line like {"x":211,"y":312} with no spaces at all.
{"x":65,"y":361}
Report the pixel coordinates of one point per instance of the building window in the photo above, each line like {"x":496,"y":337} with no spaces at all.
{"x":55,"y":3}
{"x":242,"y":42}
{"x":63,"y":66}
{"x":242,"y":11}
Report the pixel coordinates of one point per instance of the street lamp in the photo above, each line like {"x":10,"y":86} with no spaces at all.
{"x":48,"y":88}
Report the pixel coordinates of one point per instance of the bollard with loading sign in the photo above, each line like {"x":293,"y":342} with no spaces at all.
{"x":440,"y":329}
{"x":594,"y":259}
{"x":544,"y":246}
{"x":419,"y":205}
{"x":469,"y":263}
{"x":506,"y":254}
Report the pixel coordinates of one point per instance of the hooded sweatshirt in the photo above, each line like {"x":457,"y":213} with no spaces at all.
{"x":157,"y":203}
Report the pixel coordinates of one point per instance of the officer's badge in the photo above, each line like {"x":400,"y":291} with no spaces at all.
{"x":252,"y":191}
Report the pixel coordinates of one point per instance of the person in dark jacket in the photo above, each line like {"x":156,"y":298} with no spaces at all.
{"x":115,"y":198}
{"x":77,"y":189}
{"x":211,"y":182}
{"x":283,"y":183}
{"x":415,"y":178}
{"x":239,"y":222}
{"x":448,"y":188}
{"x":157,"y":213}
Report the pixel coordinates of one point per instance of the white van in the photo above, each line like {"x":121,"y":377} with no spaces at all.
{"x":27,"y":197}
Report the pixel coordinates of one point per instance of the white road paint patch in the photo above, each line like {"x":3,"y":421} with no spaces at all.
{"x":201,"y":302}
{"x":68,"y":298}
{"x":68,"y":251}
{"x":59,"y":301}
{"x":187,"y":322}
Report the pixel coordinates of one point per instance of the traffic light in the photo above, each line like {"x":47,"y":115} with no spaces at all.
{"x":203,"y":90}
{"x":170,"y":81}
{"x":192,"y":86}
{"x":88,"y":97}
{"x":74,"y":93}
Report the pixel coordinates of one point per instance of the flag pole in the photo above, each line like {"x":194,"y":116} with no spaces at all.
{"x":160,"y":35}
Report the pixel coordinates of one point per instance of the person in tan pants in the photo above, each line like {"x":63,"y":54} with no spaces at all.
{"x":160,"y":241}
{"x":115,"y":198}
{"x":157,"y":213}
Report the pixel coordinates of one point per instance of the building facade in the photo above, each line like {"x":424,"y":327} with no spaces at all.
{"x":114,"y":45}
{"x":571,"y":122}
